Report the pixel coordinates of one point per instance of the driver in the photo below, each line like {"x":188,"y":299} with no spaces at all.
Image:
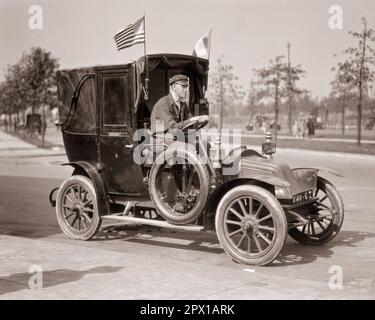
{"x":171,"y":111}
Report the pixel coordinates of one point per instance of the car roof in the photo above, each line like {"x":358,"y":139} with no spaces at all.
{"x":168,"y":56}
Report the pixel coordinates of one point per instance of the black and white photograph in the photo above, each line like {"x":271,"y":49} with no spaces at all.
{"x":206,"y":151}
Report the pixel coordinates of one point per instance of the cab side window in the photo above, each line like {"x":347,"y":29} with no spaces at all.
{"x":116,"y":101}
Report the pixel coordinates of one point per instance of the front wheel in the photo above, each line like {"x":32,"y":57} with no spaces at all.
{"x":251,"y":225}
{"x":179,"y":185}
{"x":325,"y":218}
{"x":77,"y":208}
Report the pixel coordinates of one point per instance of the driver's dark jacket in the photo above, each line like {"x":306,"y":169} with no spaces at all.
{"x":168,"y":116}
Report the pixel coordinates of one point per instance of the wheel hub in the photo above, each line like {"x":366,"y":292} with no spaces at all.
{"x":249,"y":225}
{"x":78,"y":209}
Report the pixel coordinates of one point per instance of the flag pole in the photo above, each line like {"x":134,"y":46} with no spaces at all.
{"x":209,"y":43}
{"x":146,"y":63}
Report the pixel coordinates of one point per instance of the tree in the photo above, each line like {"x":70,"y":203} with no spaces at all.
{"x":358,"y":67}
{"x":39,"y":73}
{"x":342,"y":90}
{"x":294,"y":73}
{"x":6,"y":100}
{"x":278,"y":81}
{"x":17,"y":88}
{"x":225,"y":92}
{"x":31,"y":82}
{"x":271,"y":82}
{"x":252,"y":100}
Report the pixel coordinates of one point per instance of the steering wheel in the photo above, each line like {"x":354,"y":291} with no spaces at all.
{"x":194,"y":124}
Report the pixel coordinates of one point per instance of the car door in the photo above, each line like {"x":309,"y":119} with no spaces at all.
{"x":121,"y":174}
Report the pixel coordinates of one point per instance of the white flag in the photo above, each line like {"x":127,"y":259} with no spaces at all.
{"x":202,"y":47}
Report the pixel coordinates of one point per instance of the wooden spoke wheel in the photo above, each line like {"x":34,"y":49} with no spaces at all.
{"x":325,"y":216}
{"x":179,"y":185}
{"x":77,"y":208}
{"x":251,"y":225}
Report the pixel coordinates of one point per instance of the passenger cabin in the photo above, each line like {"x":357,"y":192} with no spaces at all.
{"x":103,"y":106}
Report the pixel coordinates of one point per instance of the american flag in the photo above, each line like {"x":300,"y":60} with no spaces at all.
{"x":132,"y":34}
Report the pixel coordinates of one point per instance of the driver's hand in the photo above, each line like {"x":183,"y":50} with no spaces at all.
{"x":200,"y":118}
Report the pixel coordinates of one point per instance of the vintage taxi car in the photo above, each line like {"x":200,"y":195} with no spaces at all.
{"x":250,"y":200}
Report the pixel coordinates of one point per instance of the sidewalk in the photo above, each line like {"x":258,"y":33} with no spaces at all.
{"x":284,"y":137}
{"x":13,"y":147}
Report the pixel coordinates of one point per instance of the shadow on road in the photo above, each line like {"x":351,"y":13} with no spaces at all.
{"x":297,"y":254}
{"x":292,"y":254}
{"x":156,"y":236}
{"x":20,"y":281}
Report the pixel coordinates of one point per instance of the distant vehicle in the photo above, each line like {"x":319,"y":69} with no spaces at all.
{"x":319,"y":125}
{"x":263,"y":121}
{"x":273,"y":124}
{"x":250,"y":126}
{"x":370,"y":124}
{"x":32,"y":125}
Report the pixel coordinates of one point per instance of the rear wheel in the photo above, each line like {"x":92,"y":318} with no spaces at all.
{"x":77,"y":208}
{"x":251,"y":225}
{"x":325,"y":218}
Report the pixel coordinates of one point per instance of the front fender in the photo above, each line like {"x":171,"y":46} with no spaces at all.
{"x":248,"y":164}
{"x":329,"y":170}
{"x":275,"y":181}
{"x":96,"y":178}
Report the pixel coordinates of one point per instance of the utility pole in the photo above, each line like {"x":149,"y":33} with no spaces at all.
{"x":289,"y":92}
{"x":359,"y":106}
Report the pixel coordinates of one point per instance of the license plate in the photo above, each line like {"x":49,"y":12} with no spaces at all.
{"x":303,"y":196}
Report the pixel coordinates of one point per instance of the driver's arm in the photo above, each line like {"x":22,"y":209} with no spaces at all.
{"x":163,"y":115}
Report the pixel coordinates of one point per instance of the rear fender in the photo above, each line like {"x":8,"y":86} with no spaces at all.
{"x":95,"y":177}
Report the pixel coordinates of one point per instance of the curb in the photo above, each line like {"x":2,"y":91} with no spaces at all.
{"x":323,"y":153}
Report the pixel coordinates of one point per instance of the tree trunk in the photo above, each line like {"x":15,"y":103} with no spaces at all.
{"x":359,"y":116}
{"x":276,"y":112}
{"x":10,"y":122}
{"x":43,"y":125}
{"x":290,"y":115}
{"x":17,"y":122}
{"x":343,"y":116}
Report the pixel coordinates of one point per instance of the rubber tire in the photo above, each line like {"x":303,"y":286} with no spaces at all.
{"x":331,"y":233}
{"x":273,"y":206}
{"x":96,"y":221}
{"x":204,"y":179}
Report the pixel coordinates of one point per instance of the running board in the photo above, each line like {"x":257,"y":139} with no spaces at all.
{"x":156,"y":223}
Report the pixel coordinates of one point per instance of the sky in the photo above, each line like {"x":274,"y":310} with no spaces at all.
{"x":246,"y":34}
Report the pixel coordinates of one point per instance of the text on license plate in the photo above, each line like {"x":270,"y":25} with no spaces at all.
{"x":303,"y":196}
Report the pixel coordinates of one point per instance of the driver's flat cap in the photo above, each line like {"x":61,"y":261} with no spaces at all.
{"x":180,"y":78}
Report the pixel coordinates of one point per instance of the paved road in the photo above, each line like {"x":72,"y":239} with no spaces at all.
{"x":147,"y":263}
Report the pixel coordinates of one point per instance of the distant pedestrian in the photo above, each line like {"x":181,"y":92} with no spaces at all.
{"x":311,"y":126}
{"x":301,"y":126}
{"x":296,"y":131}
